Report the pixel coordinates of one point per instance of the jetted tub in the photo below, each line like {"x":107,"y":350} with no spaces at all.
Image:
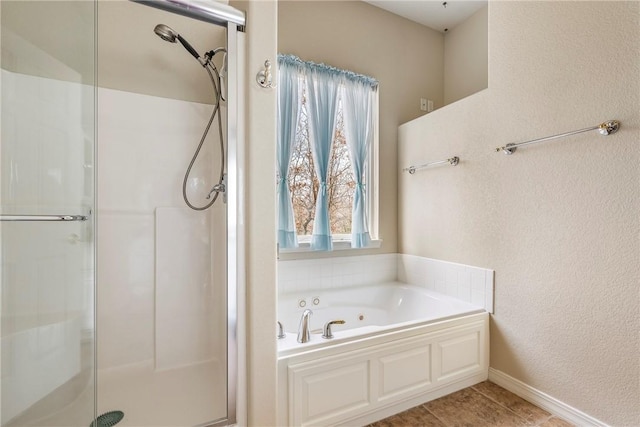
{"x":401,"y":346}
{"x":366,"y":310}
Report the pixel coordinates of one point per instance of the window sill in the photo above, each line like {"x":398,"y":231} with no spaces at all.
{"x":341,"y":246}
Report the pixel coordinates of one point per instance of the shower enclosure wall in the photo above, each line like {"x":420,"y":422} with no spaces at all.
{"x":149,"y":281}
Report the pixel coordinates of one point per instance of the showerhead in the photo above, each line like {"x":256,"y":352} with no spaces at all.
{"x":166,"y":33}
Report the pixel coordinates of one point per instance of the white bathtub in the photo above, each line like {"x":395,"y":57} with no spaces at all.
{"x":401,"y":346}
{"x":366,"y":310}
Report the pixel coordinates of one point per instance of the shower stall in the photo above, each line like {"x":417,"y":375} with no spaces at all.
{"x":120,"y":205}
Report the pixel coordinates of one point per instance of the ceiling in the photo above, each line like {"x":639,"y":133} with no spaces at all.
{"x":432,"y":13}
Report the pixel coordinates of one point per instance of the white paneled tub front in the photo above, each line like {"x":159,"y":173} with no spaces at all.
{"x":400,"y":346}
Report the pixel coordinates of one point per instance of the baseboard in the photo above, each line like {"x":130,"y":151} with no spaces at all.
{"x":543,"y":400}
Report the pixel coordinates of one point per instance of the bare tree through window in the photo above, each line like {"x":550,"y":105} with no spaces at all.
{"x":304,"y":184}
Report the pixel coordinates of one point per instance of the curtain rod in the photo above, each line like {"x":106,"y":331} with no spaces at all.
{"x":350,"y":75}
{"x":209,"y":11}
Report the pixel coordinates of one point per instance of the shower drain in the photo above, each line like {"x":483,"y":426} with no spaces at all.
{"x":108,"y":419}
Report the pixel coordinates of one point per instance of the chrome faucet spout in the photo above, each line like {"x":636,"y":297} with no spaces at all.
{"x":304,"y":329}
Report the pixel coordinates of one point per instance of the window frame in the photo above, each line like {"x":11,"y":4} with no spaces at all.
{"x":342,"y":242}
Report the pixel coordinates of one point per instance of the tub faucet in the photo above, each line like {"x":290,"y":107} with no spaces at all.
{"x":304,"y":334}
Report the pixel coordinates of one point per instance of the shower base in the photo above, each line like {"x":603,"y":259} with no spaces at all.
{"x":189,"y":395}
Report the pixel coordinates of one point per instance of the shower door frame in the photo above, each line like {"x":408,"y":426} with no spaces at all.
{"x":235,"y":222}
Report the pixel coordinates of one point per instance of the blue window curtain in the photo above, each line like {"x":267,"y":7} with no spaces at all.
{"x":357,"y":105}
{"x":289,"y":99}
{"x":323,"y":85}
{"x":322,"y":103}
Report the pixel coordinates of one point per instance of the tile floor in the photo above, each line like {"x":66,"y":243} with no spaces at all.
{"x":482,"y":405}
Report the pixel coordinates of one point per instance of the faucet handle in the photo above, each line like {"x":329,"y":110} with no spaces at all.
{"x":281,"y":333}
{"x":327,"y":328}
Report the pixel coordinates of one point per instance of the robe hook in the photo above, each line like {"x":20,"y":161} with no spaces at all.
{"x":264,"y":77}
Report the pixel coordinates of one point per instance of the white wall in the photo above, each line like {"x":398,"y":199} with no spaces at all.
{"x":558,"y":222}
{"x":158,"y":297}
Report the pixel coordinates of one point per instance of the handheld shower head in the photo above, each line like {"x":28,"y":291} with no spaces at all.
{"x":166,"y":33}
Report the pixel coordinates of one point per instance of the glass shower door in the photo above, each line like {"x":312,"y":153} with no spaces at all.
{"x":47,"y":93}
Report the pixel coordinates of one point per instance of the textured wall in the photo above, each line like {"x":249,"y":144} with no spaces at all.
{"x":405,"y":57}
{"x":557,"y":221}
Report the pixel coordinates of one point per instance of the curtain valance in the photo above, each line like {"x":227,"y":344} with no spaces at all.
{"x":305,"y":66}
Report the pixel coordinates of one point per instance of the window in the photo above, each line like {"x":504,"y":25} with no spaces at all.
{"x":339,"y":109}
{"x":304,"y":184}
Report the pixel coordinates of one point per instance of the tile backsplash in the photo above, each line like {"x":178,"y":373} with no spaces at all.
{"x":326,"y":273}
{"x":468,"y":283}
{"x":465,"y":282}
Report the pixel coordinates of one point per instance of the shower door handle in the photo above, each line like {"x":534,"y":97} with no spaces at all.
{"x":64,"y":218}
